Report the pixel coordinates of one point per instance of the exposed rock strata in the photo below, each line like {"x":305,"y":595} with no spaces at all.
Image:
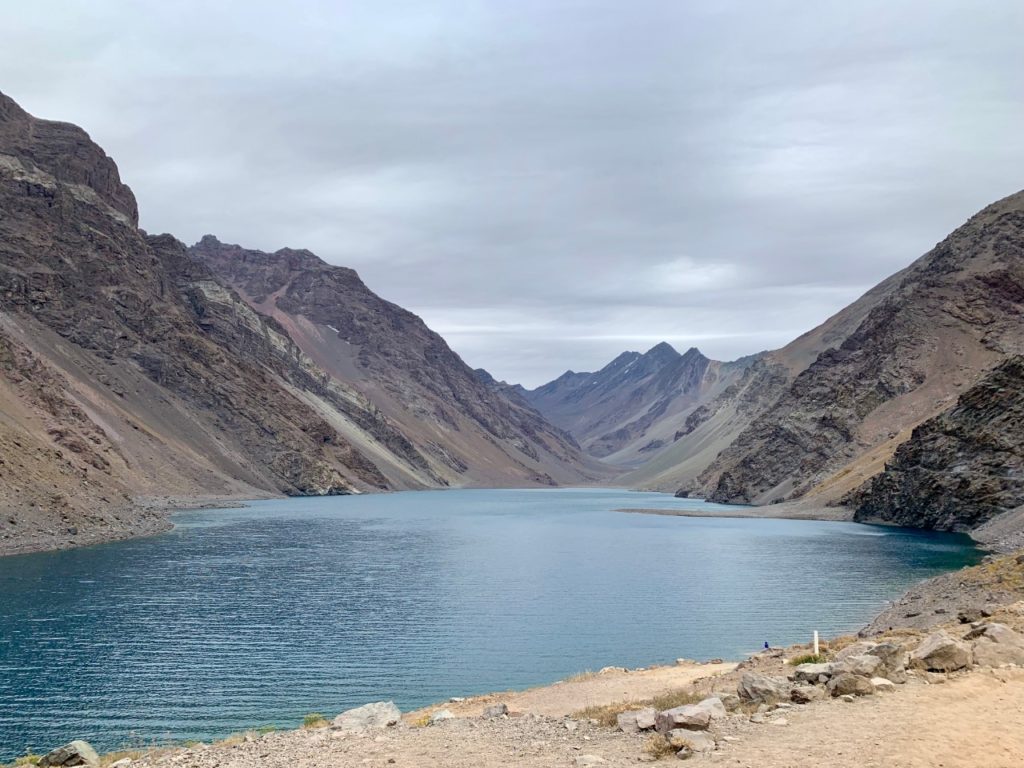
{"x":961,"y":468}
{"x":954,"y":314}
{"x":129,"y":367}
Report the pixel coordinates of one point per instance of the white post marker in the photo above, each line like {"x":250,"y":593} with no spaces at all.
{"x":815,"y":642}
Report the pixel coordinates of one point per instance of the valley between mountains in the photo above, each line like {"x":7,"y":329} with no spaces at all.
{"x":137,"y":371}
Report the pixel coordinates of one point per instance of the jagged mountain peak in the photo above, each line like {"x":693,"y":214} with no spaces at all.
{"x":662,"y":350}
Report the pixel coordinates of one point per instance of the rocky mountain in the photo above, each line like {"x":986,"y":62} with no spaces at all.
{"x":129,"y":368}
{"x":940,"y":326}
{"x":821,"y":419}
{"x":634,"y":406}
{"x":678,"y":431}
{"x":959,"y":469}
{"x":466,"y":428}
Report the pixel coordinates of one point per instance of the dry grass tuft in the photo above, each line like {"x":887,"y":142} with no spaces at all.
{"x":607,"y":714}
{"x":808,"y":658}
{"x":657,"y":746}
{"x":836,"y":644}
{"x":314,"y":720}
{"x":581,"y":677}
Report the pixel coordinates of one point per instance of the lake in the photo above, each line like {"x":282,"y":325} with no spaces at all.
{"x":239,"y":618}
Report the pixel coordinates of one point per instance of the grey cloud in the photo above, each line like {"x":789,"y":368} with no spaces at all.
{"x":548,"y":183}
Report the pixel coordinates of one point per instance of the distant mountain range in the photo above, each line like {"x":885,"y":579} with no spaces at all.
{"x":828,"y":417}
{"x":132,"y":365}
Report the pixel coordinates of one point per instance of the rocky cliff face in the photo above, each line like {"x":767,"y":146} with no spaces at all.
{"x":128,"y":367}
{"x":954,"y":314}
{"x":959,"y":469}
{"x":77,"y":273}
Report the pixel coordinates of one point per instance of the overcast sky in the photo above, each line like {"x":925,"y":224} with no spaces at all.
{"x":548,"y":183}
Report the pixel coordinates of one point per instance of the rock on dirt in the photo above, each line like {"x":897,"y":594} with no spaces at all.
{"x":996,"y":644}
{"x":380,"y":714}
{"x":635,"y":720}
{"x":850,"y":684}
{"x":941,"y":653}
{"x":693,"y":717}
{"x":75,"y":753}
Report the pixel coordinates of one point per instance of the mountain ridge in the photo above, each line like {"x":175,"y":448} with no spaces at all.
{"x":128,"y":369}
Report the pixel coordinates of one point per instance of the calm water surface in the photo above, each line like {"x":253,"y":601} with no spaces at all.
{"x":245,"y":617}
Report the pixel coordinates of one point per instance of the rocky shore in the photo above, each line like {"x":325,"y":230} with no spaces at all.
{"x":956,"y":675}
{"x":144,"y":516}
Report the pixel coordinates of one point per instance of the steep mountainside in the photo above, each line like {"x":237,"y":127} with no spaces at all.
{"x":127,"y":368}
{"x":469,"y":430}
{"x":959,"y":469}
{"x":953,"y":315}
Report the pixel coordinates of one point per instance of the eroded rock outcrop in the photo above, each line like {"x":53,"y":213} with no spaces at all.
{"x":961,"y":468}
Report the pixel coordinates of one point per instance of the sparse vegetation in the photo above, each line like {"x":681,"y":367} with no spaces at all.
{"x":607,"y":714}
{"x":808,"y":658}
{"x":837,"y":644}
{"x":675,"y":698}
{"x":422,"y":721}
{"x":579,"y":677}
{"x":657,"y":746}
{"x":29,"y":758}
{"x":314,"y":720}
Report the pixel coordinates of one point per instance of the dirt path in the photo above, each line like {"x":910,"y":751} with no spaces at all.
{"x":611,"y":687}
{"x":975,"y":721}
{"x":971,"y":721}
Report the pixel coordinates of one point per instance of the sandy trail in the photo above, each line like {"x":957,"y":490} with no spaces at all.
{"x":970,"y":721}
{"x":975,"y":721}
{"x":563,"y":698}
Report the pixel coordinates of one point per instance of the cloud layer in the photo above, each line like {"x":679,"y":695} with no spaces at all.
{"x":549,"y":183}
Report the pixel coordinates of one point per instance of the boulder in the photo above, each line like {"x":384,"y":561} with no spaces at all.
{"x":440,"y":716}
{"x":695,"y":741}
{"x":864,"y":665}
{"x":761,"y":688}
{"x":805,"y":694}
{"x":894,"y":661}
{"x":693,"y":717}
{"x":380,"y":714}
{"x":854,"y":649}
{"x":646,"y":718}
{"x":495,"y":710}
{"x":883,"y":685}
{"x":941,"y":653}
{"x":812,"y":673}
{"x":995,"y":645}
{"x":74,"y":753}
{"x":636,"y":720}
{"x":730,"y":700}
{"x":969,"y":615}
{"x":849,"y":684}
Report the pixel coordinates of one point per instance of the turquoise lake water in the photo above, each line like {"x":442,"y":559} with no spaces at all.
{"x":239,"y":618}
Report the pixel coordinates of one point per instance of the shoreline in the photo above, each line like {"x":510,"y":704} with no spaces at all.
{"x":994,"y":588}
{"x":151,"y":517}
{"x":577,"y":716}
{"x":1002,"y":534}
